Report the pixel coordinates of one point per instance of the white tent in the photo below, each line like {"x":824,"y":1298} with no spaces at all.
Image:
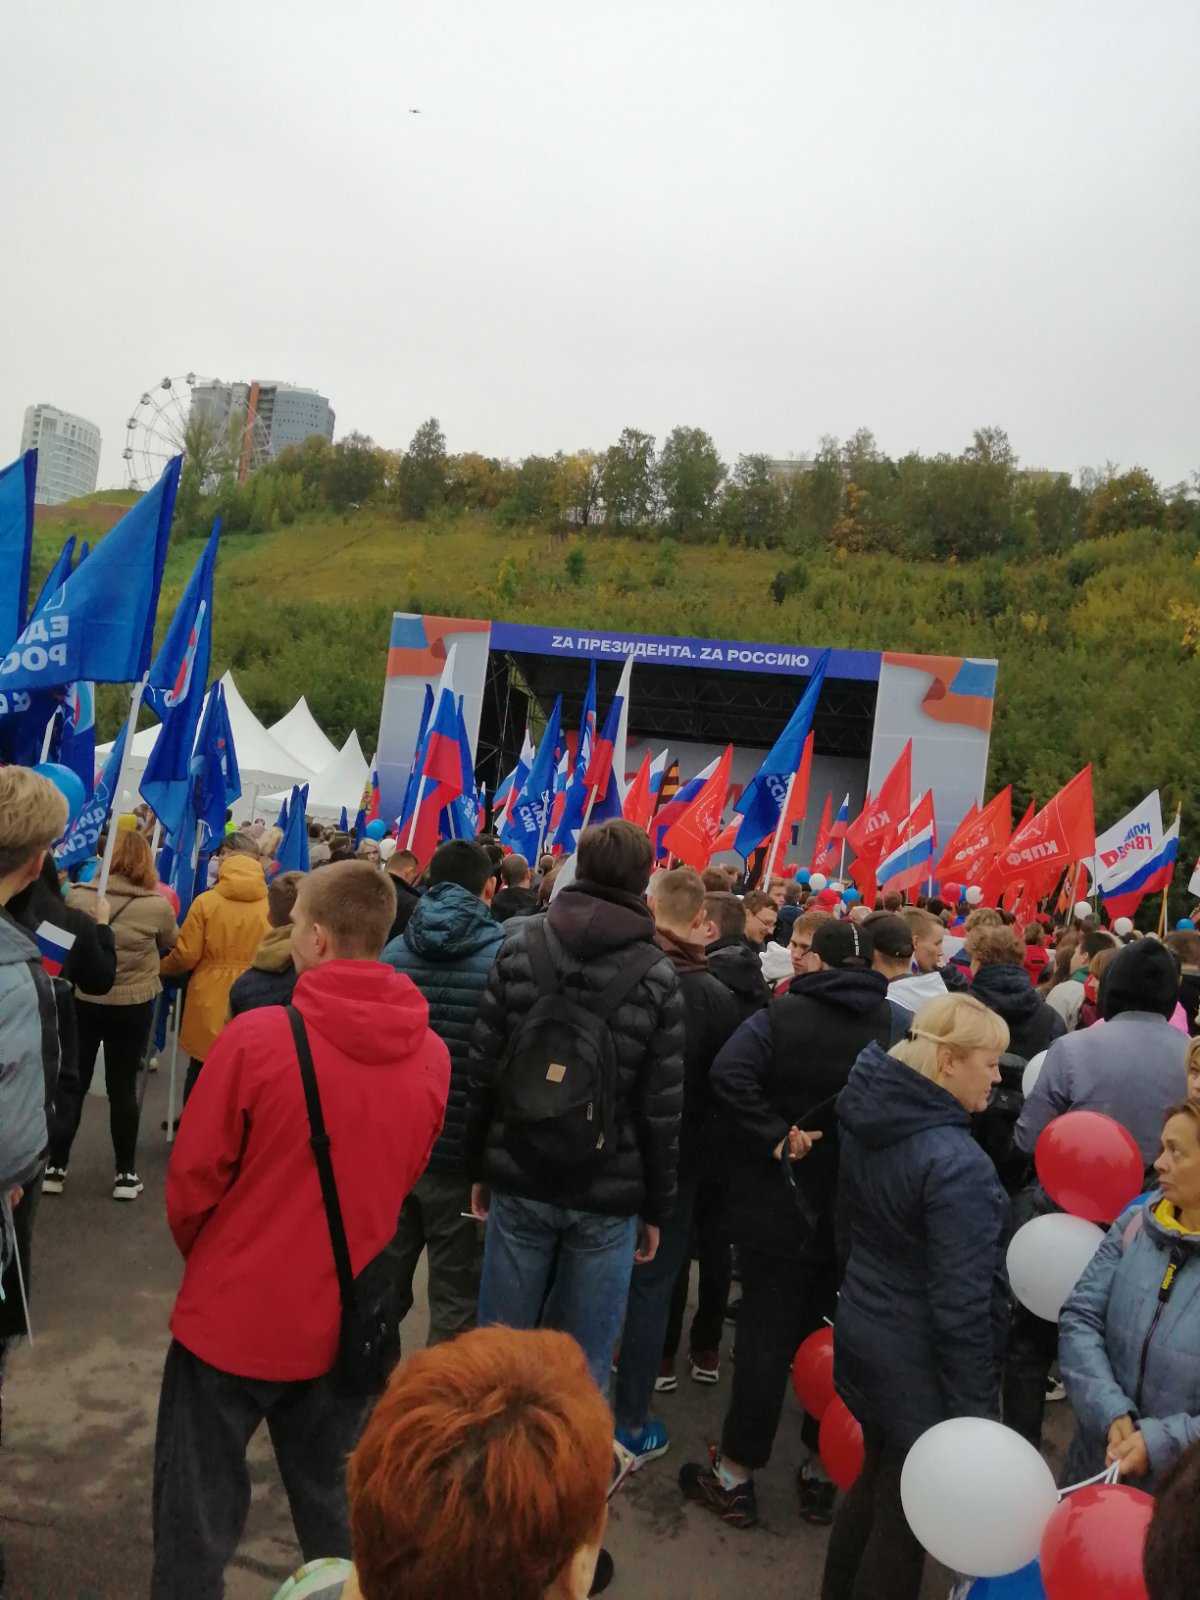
{"x":262,"y":761}
{"x":301,"y":736}
{"x":340,"y":784}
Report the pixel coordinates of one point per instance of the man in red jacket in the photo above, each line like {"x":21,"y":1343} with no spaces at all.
{"x":256,"y":1322}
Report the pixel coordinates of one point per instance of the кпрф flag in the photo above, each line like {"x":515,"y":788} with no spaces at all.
{"x":1062,"y":833}
{"x":176,"y":689}
{"x":762,"y":800}
{"x":98,"y":625}
{"x":671,"y":810}
{"x":693,"y":835}
{"x":16,"y":540}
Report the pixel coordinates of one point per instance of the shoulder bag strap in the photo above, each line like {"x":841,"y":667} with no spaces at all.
{"x":319,"y":1141}
{"x":545,"y":975}
{"x":630,"y":973}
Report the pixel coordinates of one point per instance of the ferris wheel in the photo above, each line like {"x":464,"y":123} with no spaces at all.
{"x":203,"y":418}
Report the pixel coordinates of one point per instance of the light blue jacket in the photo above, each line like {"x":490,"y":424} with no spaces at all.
{"x":1129,"y":1343}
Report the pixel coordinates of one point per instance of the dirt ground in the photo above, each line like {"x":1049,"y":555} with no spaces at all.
{"x":79,"y":1411}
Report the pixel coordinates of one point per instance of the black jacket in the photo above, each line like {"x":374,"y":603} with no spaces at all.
{"x":407,"y":901}
{"x":448,"y":950}
{"x":710,"y":1016}
{"x":783,"y":1068}
{"x":923,"y":1306}
{"x":735,"y":961}
{"x":514,"y":903}
{"x":257,"y":988}
{"x":595,"y":927}
{"x":1033,"y":1026}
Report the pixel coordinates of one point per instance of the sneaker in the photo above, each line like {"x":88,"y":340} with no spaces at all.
{"x":817,"y":1496}
{"x":732,"y":1309}
{"x":603,"y":1575}
{"x":53,"y":1180}
{"x":127,"y":1186}
{"x":738,"y":1507}
{"x":647,"y":1444}
{"x":666,"y":1382}
{"x":706,"y":1366}
{"x":1054,"y":1390}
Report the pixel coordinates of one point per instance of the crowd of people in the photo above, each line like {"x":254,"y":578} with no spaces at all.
{"x":569,"y":1091}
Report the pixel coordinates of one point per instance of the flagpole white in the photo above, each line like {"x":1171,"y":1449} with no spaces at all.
{"x":155,"y":837}
{"x":48,"y":736}
{"x":774,"y":850}
{"x":135,"y":705}
{"x":174,"y":1063}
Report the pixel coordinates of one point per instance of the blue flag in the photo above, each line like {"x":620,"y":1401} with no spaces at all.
{"x":762,"y":801}
{"x":24,"y":713}
{"x":414,"y":772}
{"x":292,"y":854}
{"x":99,"y":624}
{"x":16,"y":540}
{"x":58,"y":574}
{"x":77,"y":742}
{"x":360,"y":827}
{"x":529,"y":814}
{"x":577,"y":790}
{"x":83,"y":839}
{"x":461,"y":816}
{"x":176,"y":691}
{"x":281,"y":821}
{"x":344,"y":821}
{"x":216,"y":781}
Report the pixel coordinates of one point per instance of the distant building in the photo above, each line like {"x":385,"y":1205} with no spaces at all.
{"x":784,"y":469}
{"x":273,"y":416}
{"x":68,"y":450}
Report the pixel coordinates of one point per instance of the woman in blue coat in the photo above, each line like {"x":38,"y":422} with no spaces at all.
{"x":922,"y":1310}
{"x":1129,"y":1336}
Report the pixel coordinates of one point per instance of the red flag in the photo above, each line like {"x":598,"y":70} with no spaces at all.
{"x":1060,"y":834}
{"x":987,"y":879}
{"x":796,"y":808}
{"x":692,"y":837}
{"x":866,"y":835}
{"x":976,"y":840}
{"x":639,"y":802}
{"x":1074,"y":889}
{"x":824,"y":854}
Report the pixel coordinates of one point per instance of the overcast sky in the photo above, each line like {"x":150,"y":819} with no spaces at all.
{"x":770,"y":220}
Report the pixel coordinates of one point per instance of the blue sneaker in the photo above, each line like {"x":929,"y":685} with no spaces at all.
{"x":647,"y":1445}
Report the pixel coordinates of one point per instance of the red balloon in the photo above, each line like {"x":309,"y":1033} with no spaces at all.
{"x":841,"y":1442}
{"x":812,"y":1373}
{"x":1093,"y":1543}
{"x":1089,"y":1165}
{"x":952,"y":893}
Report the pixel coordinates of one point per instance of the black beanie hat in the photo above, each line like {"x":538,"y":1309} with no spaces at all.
{"x":1144,"y":976}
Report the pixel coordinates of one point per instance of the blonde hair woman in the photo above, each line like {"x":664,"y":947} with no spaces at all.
{"x":922,"y":1309}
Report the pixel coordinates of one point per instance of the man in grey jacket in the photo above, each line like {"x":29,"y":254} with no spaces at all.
{"x":32,"y":815}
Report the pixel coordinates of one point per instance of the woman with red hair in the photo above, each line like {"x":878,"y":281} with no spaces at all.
{"x":484,"y":1474}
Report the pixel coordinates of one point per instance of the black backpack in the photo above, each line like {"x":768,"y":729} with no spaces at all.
{"x":558,"y":1075}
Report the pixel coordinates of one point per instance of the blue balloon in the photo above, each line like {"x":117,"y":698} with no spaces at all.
{"x":68,"y":783}
{"x":1185,"y":925}
{"x":376,"y":828}
{"x":850,"y":896}
{"x":1023,"y":1585}
{"x":803,"y":875}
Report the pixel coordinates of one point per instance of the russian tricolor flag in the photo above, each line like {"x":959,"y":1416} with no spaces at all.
{"x":606,"y":769}
{"x":842,"y":821}
{"x":54,"y":945}
{"x":440,"y":767}
{"x":910,"y":858}
{"x":678,"y":804}
{"x":1151,"y":877}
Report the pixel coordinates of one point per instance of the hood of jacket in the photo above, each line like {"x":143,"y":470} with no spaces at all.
{"x":1007,"y":990}
{"x":852,"y":989}
{"x":449,"y":922}
{"x":885,"y":1101}
{"x":685,"y":956}
{"x":355,"y":1004}
{"x":241,"y":878}
{"x":274,"y":954}
{"x":738,"y":964}
{"x":912,"y":993}
{"x":1163,"y":1225}
{"x":589,"y":919}
{"x":15,"y":943}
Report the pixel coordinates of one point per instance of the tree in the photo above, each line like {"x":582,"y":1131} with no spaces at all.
{"x":579,"y":487}
{"x":354,"y":471}
{"x":1125,"y":500}
{"x":627,"y":480}
{"x":477,"y":483}
{"x":690,"y":473}
{"x":753,"y":507}
{"x":422,"y":474}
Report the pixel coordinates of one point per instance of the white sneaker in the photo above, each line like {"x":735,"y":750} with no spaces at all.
{"x":53,"y":1180}
{"x":127,"y":1186}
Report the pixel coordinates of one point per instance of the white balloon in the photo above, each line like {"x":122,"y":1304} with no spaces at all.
{"x":978,"y":1496}
{"x":1082,"y":911}
{"x":818,"y":881}
{"x":1122,"y":926}
{"x":1046,"y":1259}
{"x":973,"y":895}
{"x":1033,"y":1072}
{"x":836,"y":886}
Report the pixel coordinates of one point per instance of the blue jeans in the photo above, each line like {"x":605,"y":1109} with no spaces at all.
{"x":650,"y":1291}
{"x":545,"y":1266}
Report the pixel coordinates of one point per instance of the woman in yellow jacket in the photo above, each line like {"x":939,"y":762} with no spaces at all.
{"x":217,"y":942}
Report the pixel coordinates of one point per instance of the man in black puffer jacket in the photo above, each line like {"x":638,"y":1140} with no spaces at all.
{"x":776,"y":1084}
{"x":579,"y":1223}
{"x":731,"y":956}
{"x":448,"y":949}
{"x":999,"y":979}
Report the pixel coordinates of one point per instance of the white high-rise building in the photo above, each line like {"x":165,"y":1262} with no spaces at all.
{"x":68,"y":450}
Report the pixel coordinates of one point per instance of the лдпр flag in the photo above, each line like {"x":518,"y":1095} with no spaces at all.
{"x":98,"y":625}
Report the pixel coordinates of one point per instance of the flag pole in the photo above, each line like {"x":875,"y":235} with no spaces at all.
{"x":412,"y":827}
{"x":48,"y":736}
{"x":774,"y":850}
{"x":135,"y":705}
{"x":176,"y":1010}
{"x":842,"y":863}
